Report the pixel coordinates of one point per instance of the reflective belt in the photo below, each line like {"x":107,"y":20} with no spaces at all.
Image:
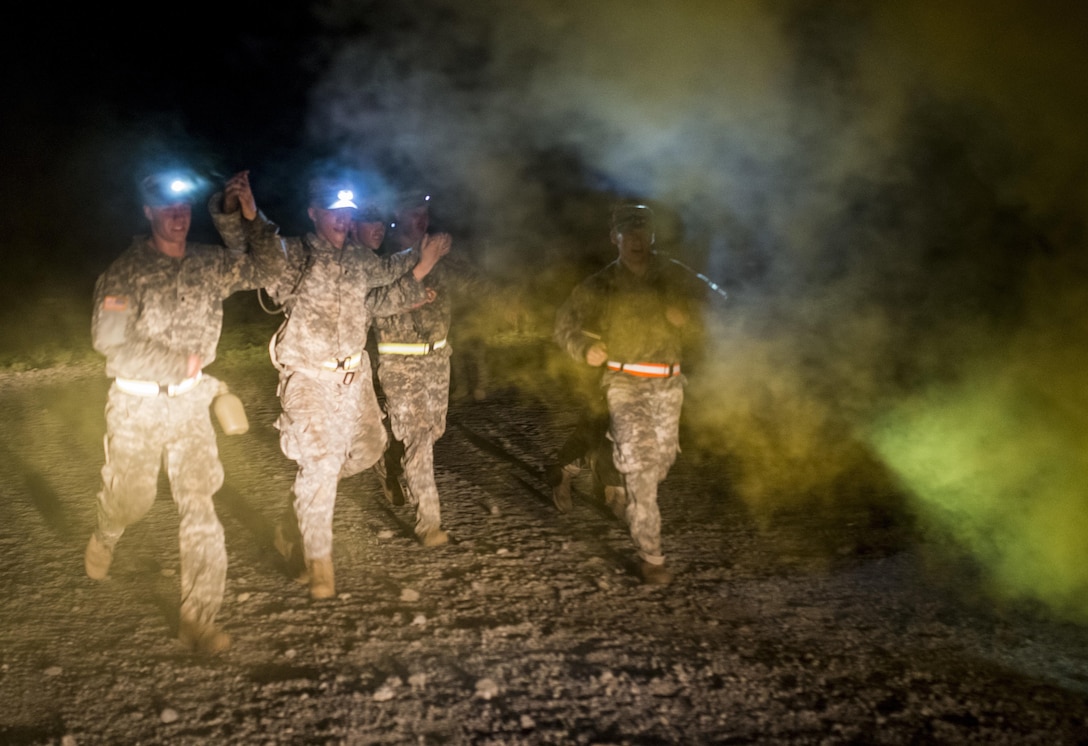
{"x":410,"y":348}
{"x":154,"y":388}
{"x":646,"y":370}
{"x":346,"y":364}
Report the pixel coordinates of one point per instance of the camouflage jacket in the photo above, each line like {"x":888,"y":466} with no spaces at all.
{"x":152,"y":311}
{"x":452,"y":277}
{"x":324,"y":290}
{"x":627,"y":313}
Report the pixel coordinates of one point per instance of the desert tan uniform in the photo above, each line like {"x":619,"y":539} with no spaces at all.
{"x":330,"y":423}
{"x":642,"y":379}
{"x":414,"y":371}
{"x":152,"y":311}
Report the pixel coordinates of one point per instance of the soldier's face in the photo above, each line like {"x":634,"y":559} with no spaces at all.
{"x":413,"y":224}
{"x":368,"y":234}
{"x":332,"y":225}
{"x":635,"y":243}
{"x":170,"y":223}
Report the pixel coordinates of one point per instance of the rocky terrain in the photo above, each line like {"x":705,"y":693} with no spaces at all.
{"x":831,"y":627}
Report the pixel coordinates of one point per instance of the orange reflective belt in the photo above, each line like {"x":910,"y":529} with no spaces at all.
{"x":646,"y":370}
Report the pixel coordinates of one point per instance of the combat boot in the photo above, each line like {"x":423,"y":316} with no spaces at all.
{"x":616,"y":499}
{"x":559,"y":478}
{"x":322,"y":584}
{"x":97,"y":559}
{"x":288,"y":544}
{"x":203,"y":638}
{"x":654,"y":574}
{"x":434,"y":537}
{"x":390,"y":485}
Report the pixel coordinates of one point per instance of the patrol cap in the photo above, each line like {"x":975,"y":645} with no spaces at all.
{"x":331,"y":194}
{"x":632,"y":215}
{"x":371,"y":212}
{"x":167,"y":188}
{"x":411,"y":199}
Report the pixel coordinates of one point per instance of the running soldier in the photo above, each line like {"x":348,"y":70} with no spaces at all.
{"x":158,"y":314}
{"x":414,"y":370}
{"x":330,"y":424}
{"x":631,"y":318}
{"x":368,"y":229}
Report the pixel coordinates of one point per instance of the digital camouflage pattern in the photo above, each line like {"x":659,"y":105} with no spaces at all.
{"x":330,"y":424}
{"x":628,"y":313}
{"x":150,"y":313}
{"x":416,"y":387}
{"x":143,"y":433}
{"x":416,"y":391}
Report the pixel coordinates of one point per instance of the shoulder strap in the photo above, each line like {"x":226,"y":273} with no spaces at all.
{"x":285,"y":307}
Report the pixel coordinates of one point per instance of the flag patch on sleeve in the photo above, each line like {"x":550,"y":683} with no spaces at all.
{"x":115,"y":303}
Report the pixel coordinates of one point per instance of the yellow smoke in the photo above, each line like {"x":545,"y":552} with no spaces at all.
{"x":998,"y":460}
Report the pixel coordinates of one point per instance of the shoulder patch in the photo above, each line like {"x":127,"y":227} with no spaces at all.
{"x":115,"y":303}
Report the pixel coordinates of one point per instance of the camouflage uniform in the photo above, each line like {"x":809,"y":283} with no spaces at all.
{"x":330,"y":424}
{"x":152,"y":311}
{"x":627,"y":313}
{"x":414,"y":372}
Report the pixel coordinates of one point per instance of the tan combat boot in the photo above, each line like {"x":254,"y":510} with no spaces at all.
{"x":559,"y":478}
{"x":434,"y":537}
{"x":616,"y":499}
{"x":97,"y":559}
{"x":390,"y":485}
{"x":203,"y":638}
{"x":288,"y":543}
{"x":654,"y":574}
{"x":322,"y":584}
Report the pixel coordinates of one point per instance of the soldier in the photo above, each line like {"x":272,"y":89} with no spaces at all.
{"x":414,"y":369}
{"x":158,"y":313}
{"x":330,"y":424}
{"x":631,"y":318}
{"x":368,"y":229}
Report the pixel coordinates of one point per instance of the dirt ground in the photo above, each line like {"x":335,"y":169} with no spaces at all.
{"x":529,"y":628}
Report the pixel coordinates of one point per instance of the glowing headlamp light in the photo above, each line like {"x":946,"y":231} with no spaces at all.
{"x":159,"y":190}
{"x":180,"y":187}
{"x":344,"y":198}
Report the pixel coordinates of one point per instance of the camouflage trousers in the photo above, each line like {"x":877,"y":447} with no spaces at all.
{"x":644,"y":427}
{"x":416,"y":399}
{"x":143,"y":434}
{"x":331,"y":427}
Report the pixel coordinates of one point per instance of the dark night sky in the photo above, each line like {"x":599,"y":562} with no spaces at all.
{"x":763,"y":125}
{"x":894,"y":193}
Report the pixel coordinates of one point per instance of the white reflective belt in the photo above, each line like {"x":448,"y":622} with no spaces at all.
{"x":647,"y":370}
{"x":410,"y":348}
{"x":154,"y":388}
{"x":346,"y":364}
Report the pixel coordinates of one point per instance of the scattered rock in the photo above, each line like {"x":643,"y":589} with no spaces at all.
{"x":486,"y":689}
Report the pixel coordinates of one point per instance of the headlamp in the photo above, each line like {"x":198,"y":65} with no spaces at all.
{"x":162,"y":189}
{"x":344,"y":198}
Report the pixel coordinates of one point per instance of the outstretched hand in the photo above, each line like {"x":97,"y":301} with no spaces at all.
{"x":238,"y":194}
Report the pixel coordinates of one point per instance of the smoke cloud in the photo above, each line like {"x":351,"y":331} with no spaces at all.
{"x":893,"y":194}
